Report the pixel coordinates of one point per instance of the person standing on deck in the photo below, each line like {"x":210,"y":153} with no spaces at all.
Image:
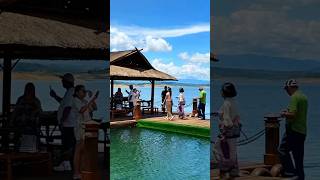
{"x":202,"y":103}
{"x":80,"y":112}
{"x":225,"y":148}
{"x":295,"y":134}
{"x":66,"y":123}
{"x":168,"y":102}
{"x":170,"y":91}
{"x":135,"y":98}
{"x":130,"y":98}
{"x":163,"y":96}
{"x":181,"y":104}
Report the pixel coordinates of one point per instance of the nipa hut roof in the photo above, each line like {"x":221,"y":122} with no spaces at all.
{"x":133,"y":65}
{"x":24,"y":36}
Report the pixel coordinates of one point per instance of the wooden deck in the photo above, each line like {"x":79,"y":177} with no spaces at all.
{"x":245,"y":169}
{"x":192,"y":121}
{"x":104,"y":170}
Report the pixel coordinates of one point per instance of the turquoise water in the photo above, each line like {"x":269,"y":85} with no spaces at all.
{"x":146,"y":154}
{"x":258,"y":98}
{"x":190,"y":92}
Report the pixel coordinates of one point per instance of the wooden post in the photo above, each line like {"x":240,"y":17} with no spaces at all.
{"x":271,"y":139}
{"x":90,"y":170}
{"x":137,"y":110}
{"x":111,"y":92}
{"x":195,"y":107}
{"x":6,"y":92}
{"x":152,"y":95}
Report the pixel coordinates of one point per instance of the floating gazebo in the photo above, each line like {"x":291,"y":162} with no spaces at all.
{"x":24,"y":36}
{"x":51,"y":30}
{"x":133,"y":65}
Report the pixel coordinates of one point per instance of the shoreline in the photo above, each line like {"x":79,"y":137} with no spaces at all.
{"x":314,"y":81}
{"x":40,"y":76}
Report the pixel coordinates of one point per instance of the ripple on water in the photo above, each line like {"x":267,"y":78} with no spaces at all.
{"x":146,"y":154}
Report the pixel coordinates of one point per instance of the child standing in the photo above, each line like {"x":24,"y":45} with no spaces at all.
{"x":225,"y":149}
{"x":80,"y":111}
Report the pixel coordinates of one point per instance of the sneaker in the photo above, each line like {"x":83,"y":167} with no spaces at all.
{"x":77,"y":177}
{"x":60,"y":167}
{"x":171,"y":118}
{"x":67,"y":166}
{"x":64,"y":166}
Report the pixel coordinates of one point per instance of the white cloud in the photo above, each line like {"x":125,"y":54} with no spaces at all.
{"x":128,"y":37}
{"x":157,"y":44}
{"x":186,"y":71}
{"x":196,"y":57}
{"x":165,"y":33}
{"x":121,"y":41}
{"x":267,"y":32}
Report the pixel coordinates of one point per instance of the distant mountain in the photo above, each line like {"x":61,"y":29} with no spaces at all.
{"x":185,"y":82}
{"x":261,"y":73}
{"x":59,"y":66}
{"x":256,"y":62}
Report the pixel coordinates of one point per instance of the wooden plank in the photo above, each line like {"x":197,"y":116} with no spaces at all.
{"x":246,"y":167}
{"x":192,"y":121}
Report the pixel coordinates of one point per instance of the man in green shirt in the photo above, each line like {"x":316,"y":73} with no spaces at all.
{"x":202,"y":103}
{"x":295,"y":135}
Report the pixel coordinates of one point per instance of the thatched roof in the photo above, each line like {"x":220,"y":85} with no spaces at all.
{"x":123,"y":73}
{"x":24,"y":36}
{"x":118,"y":55}
{"x":133,"y":65}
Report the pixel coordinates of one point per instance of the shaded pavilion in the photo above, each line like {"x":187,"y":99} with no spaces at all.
{"x":34,"y":30}
{"x":133,"y":65}
{"x":50,"y":30}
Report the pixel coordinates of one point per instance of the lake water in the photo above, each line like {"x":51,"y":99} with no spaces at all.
{"x":138,"y":153}
{"x":190,"y":92}
{"x":49,"y":104}
{"x":259,"y":98}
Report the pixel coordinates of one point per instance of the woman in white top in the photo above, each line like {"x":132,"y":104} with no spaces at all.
{"x":225,"y":148}
{"x":80,"y":111}
{"x":181,"y":103}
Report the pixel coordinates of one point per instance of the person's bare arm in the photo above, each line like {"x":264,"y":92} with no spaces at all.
{"x":55,"y":96}
{"x":288,"y":115}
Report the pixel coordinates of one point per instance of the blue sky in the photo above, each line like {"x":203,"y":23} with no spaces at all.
{"x":278,"y":28}
{"x":175,"y":35}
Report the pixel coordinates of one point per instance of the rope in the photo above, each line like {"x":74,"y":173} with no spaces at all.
{"x":248,"y":140}
{"x":251,"y":139}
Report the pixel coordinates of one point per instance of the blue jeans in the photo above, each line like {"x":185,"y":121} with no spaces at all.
{"x":201,"y":110}
{"x":294,"y":142}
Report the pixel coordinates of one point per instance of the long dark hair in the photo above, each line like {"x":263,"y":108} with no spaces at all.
{"x":169,"y":90}
{"x":29,"y":88}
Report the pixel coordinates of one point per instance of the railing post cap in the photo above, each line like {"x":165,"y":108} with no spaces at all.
{"x":272,"y":117}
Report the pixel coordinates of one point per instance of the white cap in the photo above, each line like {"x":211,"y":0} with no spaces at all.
{"x":291,"y":83}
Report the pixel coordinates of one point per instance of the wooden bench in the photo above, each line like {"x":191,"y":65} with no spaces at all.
{"x":28,"y":158}
{"x":10,"y":155}
{"x":149,"y":109}
{"x":119,"y":112}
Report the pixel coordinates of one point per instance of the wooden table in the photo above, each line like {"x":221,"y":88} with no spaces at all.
{"x":32,"y":158}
